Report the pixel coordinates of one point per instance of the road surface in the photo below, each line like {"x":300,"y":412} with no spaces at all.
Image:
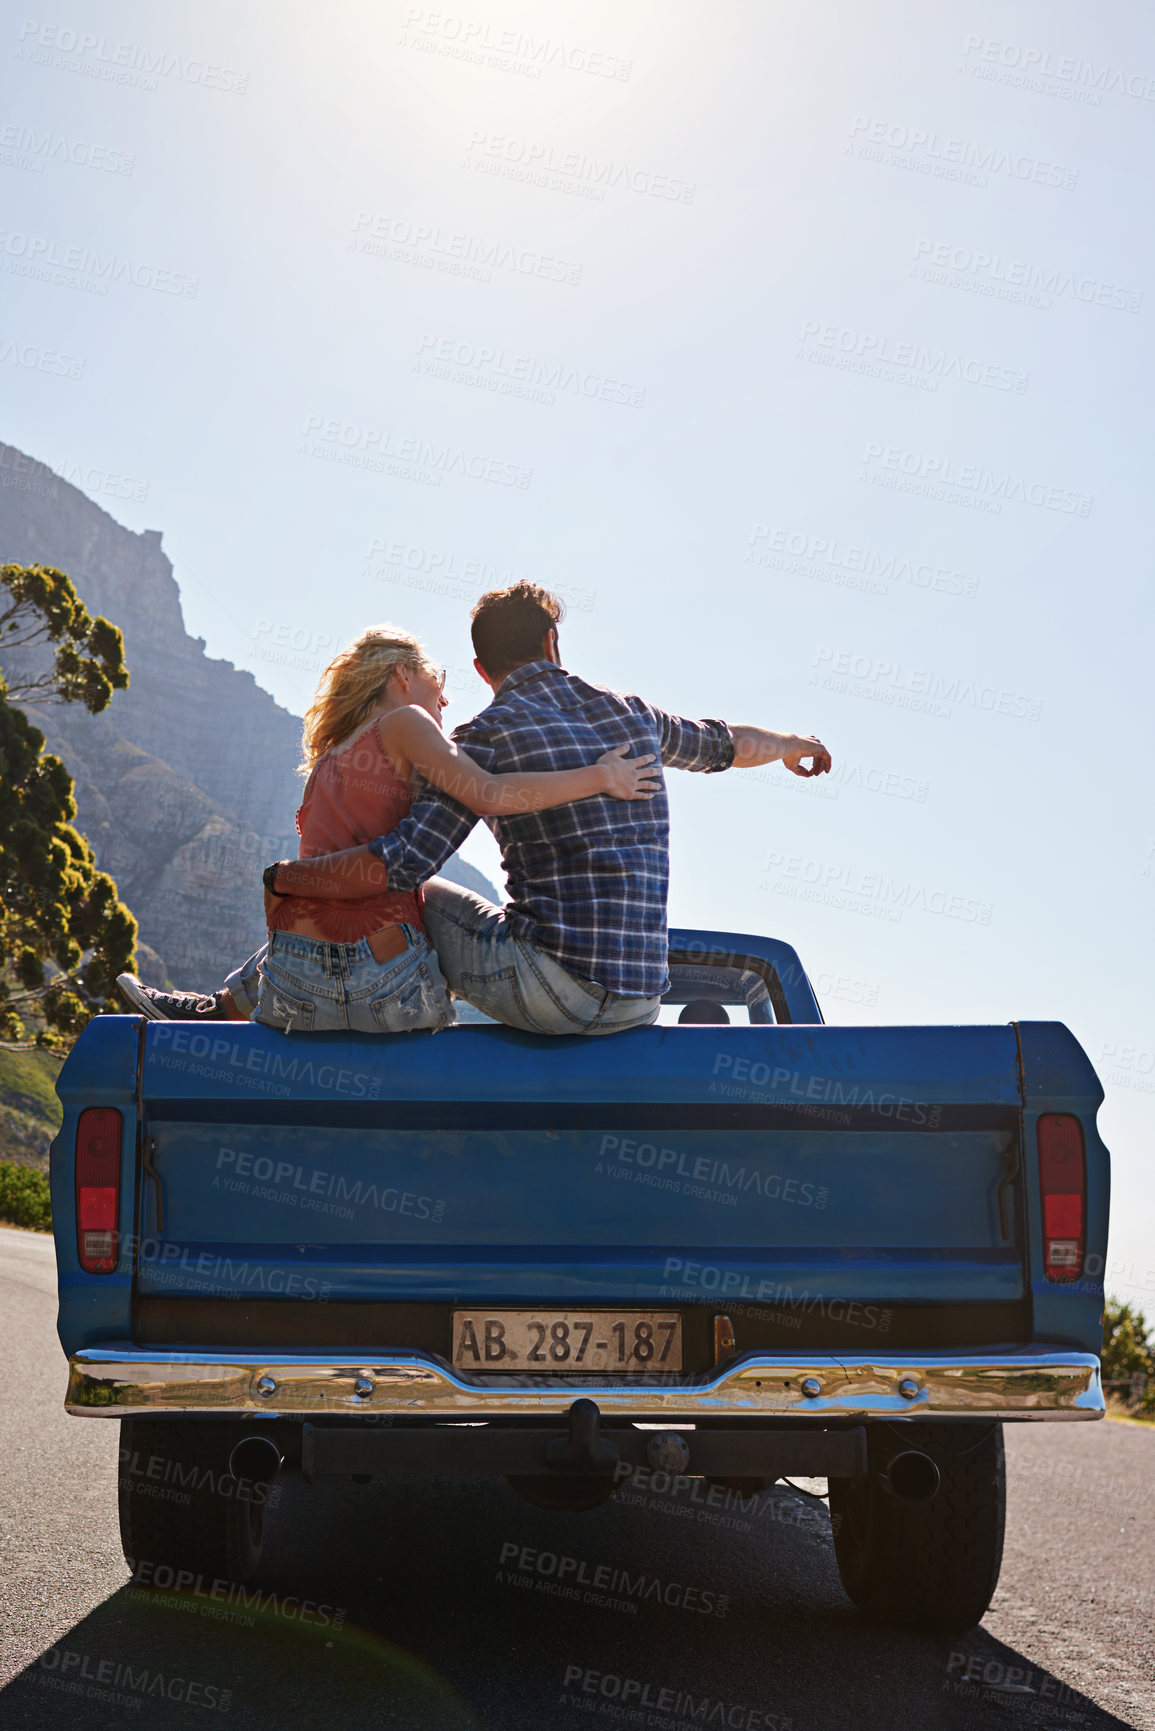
{"x":434,"y":1606}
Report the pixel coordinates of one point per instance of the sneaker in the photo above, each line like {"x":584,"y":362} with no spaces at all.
{"x":170,"y":1006}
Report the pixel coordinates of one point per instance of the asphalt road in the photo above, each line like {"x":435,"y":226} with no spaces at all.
{"x":438,"y":1635}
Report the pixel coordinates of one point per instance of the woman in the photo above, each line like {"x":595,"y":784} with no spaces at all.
{"x":371,"y":733}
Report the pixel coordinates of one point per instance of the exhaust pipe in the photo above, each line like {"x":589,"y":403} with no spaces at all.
{"x":912,"y":1476}
{"x":256,"y":1458}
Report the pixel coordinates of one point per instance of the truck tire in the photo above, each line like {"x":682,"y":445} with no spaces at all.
{"x":182,"y":1513}
{"x":931,"y":1564}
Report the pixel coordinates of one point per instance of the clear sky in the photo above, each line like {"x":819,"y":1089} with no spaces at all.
{"x":806,"y":350}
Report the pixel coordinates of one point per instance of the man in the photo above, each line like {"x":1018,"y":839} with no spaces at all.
{"x":581,"y":947}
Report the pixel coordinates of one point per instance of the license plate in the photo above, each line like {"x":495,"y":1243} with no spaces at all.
{"x":567,"y":1340}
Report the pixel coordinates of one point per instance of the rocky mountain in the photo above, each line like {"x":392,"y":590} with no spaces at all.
{"x":185,"y":785}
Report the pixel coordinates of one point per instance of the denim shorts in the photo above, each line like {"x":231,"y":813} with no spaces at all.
{"x":310,"y":986}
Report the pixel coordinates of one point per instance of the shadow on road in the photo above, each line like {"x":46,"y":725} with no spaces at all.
{"x":448,"y":1606}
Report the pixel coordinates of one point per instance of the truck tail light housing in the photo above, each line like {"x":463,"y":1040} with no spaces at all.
{"x":98,"y":1139}
{"x":1063,"y":1187}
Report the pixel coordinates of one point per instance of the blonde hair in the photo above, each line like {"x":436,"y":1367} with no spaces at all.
{"x":352,"y":684}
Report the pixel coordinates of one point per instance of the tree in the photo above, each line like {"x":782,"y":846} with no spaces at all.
{"x":64,"y":933}
{"x":1127,"y":1352}
{"x":88,"y":659}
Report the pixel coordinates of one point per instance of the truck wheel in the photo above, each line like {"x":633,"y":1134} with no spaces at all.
{"x":928,"y":1559}
{"x":181,"y":1510}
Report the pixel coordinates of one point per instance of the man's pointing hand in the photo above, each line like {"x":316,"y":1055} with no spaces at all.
{"x":806,"y":746}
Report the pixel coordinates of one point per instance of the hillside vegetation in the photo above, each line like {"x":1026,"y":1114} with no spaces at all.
{"x":29,"y":1110}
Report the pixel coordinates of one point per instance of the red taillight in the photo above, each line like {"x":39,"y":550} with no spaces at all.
{"x":98,"y":1139}
{"x":1063,"y":1185}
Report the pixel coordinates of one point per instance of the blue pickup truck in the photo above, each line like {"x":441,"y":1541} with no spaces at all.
{"x":713,"y":1252}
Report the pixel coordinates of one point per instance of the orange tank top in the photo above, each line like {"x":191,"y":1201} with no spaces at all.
{"x":353,"y":794}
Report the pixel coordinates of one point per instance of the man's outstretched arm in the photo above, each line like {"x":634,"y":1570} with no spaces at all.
{"x":710,"y":746}
{"x":754,"y":746}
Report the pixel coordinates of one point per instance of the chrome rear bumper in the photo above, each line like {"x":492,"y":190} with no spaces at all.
{"x":124,"y":1381}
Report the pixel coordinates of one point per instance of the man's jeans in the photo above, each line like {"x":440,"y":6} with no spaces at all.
{"x":506,"y":977}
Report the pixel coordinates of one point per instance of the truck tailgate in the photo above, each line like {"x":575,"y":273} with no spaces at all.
{"x":870,"y":1164}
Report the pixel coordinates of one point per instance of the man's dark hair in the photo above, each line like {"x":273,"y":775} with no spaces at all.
{"x":509,"y":624}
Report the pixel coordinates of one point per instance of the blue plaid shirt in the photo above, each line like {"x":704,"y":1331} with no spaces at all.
{"x":586,"y":881}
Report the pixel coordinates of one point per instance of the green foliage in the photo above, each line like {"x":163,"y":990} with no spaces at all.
{"x":24,"y":1197}
{"x":64,"y":934}
{"x":88,"y":660}
{"x":1128,"y":1351}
